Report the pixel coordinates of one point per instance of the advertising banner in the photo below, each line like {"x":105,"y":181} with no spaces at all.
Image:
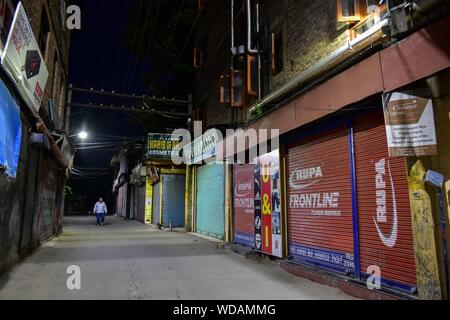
{"x":148,"y":201}
{"x":244,"y":205}
{"x":410,"y":125}
{"x":268,"y":219}
{"x":23,"y":61}
{"x":162,"y":146}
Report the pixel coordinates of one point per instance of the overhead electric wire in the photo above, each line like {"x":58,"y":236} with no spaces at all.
{"x":207,"y":28}
{"x":166,"y":49}
{"x":130,"y":59}
{"x":183,"y":48}
{"x":140,"y":43}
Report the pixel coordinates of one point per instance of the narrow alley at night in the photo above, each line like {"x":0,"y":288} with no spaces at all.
{"x":225,"y":158}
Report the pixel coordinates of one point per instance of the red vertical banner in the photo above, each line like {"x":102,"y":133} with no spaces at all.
{"x":266,"y":204}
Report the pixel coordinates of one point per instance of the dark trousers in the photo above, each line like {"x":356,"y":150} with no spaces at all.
{"x":100,"y":217}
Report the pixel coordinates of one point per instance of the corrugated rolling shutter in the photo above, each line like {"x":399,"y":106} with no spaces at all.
{"x":173,"y":200}
{"x":156,"y":203}
{"x":211,"y":200}
{"x":48,"y":196}
{"x":244,"y":204}
{"x":132,"y":212}
{"x":385,"y":227}
{"x":119,"y":202}
{"x":30,"y":199}
{"x":320,"y":217}
{"x":141,"y":204}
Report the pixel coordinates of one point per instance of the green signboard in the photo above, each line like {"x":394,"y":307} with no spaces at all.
{"x":162,"y":146}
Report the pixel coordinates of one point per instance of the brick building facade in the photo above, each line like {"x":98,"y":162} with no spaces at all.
{"x":32,"y":200}
{"x":318,"y":71}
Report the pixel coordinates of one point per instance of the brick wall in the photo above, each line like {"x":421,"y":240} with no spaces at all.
{"x":57,"y":54}
{"x":311,"y":32}
{"x":214,"y":38}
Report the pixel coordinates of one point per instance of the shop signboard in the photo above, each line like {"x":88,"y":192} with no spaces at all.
{"x":23,"y":62}
{"x":202,"y":148}
{"x":148,"y":201}
{"x":268,"y":218}
{"x":162,"y":146}
{"x":152,"y":174}
{"x":410,"y":125}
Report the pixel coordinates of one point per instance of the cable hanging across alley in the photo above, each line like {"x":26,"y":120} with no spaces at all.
{"x":183,"y":48}
{"x":166,"y":49}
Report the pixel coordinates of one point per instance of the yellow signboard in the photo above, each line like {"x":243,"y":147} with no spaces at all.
{"x":148,"y":202}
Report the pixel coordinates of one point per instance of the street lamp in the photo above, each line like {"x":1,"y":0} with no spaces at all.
{"x":83,"y":135}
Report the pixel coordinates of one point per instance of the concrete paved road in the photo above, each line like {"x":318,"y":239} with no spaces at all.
{"x":127,"y":260}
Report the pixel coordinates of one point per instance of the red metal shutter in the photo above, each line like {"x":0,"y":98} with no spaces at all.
{"x":244,"y":205}
{"x":320,"y":217}
{"x":382,"y":188}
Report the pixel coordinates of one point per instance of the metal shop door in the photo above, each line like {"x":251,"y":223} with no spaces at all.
{"x":244,"y":204}
{"x":119,"y":205}
{"x":384,"y":213}
{"x":211,"y":200}
{"x":320,"y":215}
{"x":48,"y":197}
{"x":31,"y":196}
{"x":173,"y":200}
{"x":156,"y":203}
{"x":141,"y":204}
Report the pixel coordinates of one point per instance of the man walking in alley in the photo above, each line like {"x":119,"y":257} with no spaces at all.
{"x":100,"y":211}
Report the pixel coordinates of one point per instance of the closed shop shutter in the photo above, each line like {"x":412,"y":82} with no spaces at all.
{"x":48,"y":197}
{"x":384,"y":214}
{"x":211,"y":200}
{"x":132,"y":213}
{"x":320,"y":217}
{"x":244,"y":205}
{"x":30,"y":199}
{"x":141,"y":204}
{"x":173,"y":200}
{"x":156,"y":203}
{"x":119,"y":202}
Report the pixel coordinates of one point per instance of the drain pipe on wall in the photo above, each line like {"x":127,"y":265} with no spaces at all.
{"x":321,"y":66}
{"x":232,"y":24}
{"x":249,"y":29}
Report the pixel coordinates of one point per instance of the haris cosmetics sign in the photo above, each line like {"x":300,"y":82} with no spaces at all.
{"x":22,"y":60}
{"x":410,"y":125}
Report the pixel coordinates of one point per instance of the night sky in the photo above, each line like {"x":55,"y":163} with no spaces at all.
{"x":99,"y":59}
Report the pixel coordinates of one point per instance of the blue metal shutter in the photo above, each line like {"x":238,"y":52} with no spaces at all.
{"x":173,"y":200}
{"x":156,"y":203}
{"x":211,"y":200}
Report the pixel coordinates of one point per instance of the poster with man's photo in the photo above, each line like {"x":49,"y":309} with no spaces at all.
{"x":268,"y":217}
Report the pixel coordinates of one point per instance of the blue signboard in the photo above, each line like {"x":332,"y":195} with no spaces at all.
{"x":10,"y":133}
